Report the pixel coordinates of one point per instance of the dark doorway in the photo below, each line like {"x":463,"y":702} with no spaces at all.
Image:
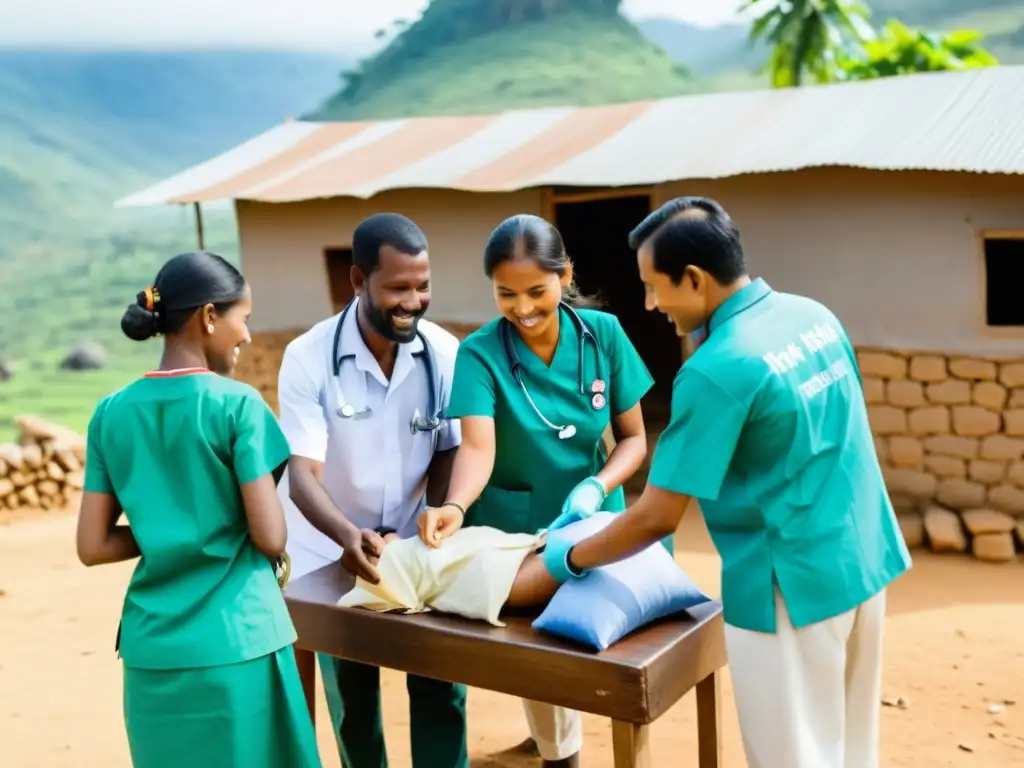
{"x":339,"y":276}
{"x":596,"y":235}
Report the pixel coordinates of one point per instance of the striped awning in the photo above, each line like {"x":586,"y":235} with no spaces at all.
{"x":962,"y":121}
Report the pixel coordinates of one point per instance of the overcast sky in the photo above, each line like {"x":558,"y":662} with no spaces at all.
{"x":293,"y":24}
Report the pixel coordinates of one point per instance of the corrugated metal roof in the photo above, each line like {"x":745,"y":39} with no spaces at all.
{"x":952,"y":121}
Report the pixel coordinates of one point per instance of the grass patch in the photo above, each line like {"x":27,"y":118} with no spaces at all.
{"x":65,"y":397}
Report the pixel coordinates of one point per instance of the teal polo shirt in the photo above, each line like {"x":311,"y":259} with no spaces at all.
{"x":769,"y":431}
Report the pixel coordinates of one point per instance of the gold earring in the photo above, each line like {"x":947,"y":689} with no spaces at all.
{"x":210,"y":328}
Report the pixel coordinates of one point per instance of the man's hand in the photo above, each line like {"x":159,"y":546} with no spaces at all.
{"x":360,"y":551}
{"x":438,"y":523}
{"x":556,"y":558}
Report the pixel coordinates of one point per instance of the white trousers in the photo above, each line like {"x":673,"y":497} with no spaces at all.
{"x":558,"y":731}
{"x":810,"y":697}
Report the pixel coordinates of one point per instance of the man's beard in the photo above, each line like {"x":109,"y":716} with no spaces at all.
{"x":384,"y":324}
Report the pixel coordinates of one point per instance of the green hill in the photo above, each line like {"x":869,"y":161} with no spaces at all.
{"x":77,"y":131}
{"x":576,"y":55}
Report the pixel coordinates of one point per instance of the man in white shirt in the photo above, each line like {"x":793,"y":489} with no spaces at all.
{"x":362,"y":398}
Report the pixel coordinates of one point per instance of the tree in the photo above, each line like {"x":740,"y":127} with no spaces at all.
{"x":900,"y":50}
{"x":808,"y":37}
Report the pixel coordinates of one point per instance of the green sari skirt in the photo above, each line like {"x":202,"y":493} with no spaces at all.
{"x":247,"y":715}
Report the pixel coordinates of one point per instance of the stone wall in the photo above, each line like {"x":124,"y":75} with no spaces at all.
{"x":949,"y":432}
{"x":260,"y":363}
{"x":950,"y":435}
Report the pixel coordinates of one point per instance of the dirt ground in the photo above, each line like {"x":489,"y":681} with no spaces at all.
{"x":954,"y":648}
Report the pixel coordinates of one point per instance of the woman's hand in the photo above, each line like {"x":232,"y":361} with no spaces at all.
{"x":583,"y":501}
{"x":438,"y":523}
{"x":100,"y":539}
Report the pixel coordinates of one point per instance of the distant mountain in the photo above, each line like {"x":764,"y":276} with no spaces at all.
{"x":936,"y":13}
{"x":705,"y":51}
{"x":79,"y":129}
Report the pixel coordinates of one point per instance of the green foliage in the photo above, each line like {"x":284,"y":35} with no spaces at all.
{"x":724,"y":59}
{"x":1002,"y":25}
{"x":900,"y":50}
{"x":573,"y":58}
{"x":831,"y":40}
{"x":807,"y":37}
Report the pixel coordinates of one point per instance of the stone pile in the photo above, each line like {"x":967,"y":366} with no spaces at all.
{"x":44,"y":470}
{"x":950,"y":435}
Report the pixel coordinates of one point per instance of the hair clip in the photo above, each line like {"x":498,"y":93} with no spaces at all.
{"x":152,"y":297}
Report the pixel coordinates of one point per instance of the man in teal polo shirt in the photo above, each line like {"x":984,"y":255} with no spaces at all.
{"x":769,"y":431}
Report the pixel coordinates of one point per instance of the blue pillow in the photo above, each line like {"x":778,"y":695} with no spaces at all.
{"x":610,"y":602}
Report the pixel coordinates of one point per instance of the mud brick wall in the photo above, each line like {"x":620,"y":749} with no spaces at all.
{"x":950,"y":434}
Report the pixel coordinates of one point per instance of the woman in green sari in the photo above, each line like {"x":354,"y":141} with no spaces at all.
{"x":191,"y":459}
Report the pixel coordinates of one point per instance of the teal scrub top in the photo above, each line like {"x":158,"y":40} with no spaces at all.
{"x":534,"y":470}
{"x":174,"y":451}
{"x":769,"y":431}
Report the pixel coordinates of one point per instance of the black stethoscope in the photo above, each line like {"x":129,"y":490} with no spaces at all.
{"x":597,"y":386}
{"x":418,"y":423}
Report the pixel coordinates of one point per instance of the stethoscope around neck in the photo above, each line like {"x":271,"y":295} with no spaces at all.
{"x":418,"y":423}
{"x":597,"y":386}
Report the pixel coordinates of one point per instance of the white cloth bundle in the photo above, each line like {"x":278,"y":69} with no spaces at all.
{"x":470,"y":575}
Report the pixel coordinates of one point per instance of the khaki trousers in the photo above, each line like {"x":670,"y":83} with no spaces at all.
{"x":558,"y":731}
{"x":810,"y":697}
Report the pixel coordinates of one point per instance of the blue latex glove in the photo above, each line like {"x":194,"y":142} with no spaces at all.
{"x":556,"y":553}
{"x":583,"y":501}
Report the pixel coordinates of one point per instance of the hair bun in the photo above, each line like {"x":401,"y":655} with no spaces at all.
{"x":138,"y":322}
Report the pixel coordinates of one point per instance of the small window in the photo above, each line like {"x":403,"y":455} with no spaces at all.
{"x":1004,"y":267}
{"x":339,"y":276}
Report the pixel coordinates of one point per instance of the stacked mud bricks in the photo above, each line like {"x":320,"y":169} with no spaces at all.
{"x":950,"y":434}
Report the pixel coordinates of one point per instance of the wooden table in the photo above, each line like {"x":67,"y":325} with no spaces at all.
{"x":634,"y":682}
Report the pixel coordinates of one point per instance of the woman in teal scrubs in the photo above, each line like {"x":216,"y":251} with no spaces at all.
{"x":535,"y":391}
{"x":191,"y":459}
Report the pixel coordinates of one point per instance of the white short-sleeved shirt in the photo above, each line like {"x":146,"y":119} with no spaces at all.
{"x":375,"y":468}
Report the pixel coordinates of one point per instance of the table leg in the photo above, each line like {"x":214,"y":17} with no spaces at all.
{"x":631,"y":745}
{"x":306,"y":662}
{"x":709,"y":722}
